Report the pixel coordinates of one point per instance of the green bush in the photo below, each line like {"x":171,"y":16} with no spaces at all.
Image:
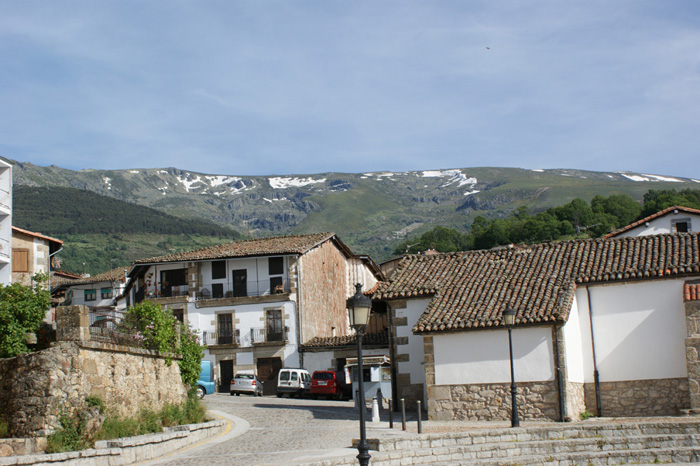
{"x":22,"y":308}
{"x":4,"y":428}
{"x":72,"y":437}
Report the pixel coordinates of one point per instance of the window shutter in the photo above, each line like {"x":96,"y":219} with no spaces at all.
{"x":20,"y":260}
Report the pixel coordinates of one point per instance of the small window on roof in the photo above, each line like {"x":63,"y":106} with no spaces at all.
{"x":681,"y":225}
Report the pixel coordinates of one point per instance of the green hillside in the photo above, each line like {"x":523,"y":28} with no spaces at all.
{"x":102,"y":232}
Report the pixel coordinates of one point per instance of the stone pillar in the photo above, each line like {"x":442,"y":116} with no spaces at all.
{"x":72,"y":323}
{"x":194,"y":280}
{"x":692,"y":352}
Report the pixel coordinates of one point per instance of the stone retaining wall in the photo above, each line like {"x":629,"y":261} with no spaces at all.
{"x":36,"y":388}
{"x":488,"y":402}
{"x":126,"y":450}
{"x":659,"y":397}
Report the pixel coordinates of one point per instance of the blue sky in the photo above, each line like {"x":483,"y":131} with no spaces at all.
{"x":292,"y":87}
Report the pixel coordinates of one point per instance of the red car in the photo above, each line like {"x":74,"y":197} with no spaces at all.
{"x":329,"y":383}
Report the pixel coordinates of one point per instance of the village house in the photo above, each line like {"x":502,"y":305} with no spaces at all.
{"x":102,"y":294}
{"x":5,"y":223}
{"x":31,"y":254}
{"x":606,"y":326}
{"x":256,"y":302}
{"x":674,"y":219}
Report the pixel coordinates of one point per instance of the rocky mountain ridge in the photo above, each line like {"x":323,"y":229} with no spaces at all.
{"x":372,"y":212}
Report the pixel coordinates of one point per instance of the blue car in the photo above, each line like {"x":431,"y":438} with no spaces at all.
{"x":205,"y":384}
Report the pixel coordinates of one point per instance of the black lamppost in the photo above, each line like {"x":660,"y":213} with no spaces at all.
{"x":509,"y":319}
{"x":359,"y":307}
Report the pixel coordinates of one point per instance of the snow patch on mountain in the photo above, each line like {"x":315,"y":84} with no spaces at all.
{"x":218,"y":180}
{"x":646,"y":177}
{"x":290,"y":182}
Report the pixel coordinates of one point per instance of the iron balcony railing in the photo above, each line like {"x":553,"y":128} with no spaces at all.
{"x":221,"y":338}
{"x":251,"y":288}
{"x":264,"y":335}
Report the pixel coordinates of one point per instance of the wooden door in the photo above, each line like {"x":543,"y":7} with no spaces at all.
{"x":268,"y":368}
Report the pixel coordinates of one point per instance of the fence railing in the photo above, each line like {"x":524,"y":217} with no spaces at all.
{"x":251,"y":288}
{"x":223,"y":338}
{"x":264,"y":335}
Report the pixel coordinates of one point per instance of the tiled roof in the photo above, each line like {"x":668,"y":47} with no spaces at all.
{"x":111,"y":275}
{"x":254,"y":247}
{"x":691,"y":291}
{"x":38,"y":235}
{"x":651,"y":217}
{"x":471,"y":289}
{"x":370,"y":339}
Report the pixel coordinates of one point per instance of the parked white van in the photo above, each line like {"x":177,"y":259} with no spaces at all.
{"x":294,"y":382}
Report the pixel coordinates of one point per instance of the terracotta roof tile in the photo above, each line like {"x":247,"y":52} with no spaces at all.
{"x":111,"y":275}
{"x":471,"y":289}
{"x":651,"y":217}
{"x":691,"y":291}
{"x":254,"y":247}
{"x":370,"y":339}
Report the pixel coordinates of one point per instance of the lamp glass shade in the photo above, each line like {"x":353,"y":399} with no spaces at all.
{"x":509,"y":317}
{"x":359,"y":307}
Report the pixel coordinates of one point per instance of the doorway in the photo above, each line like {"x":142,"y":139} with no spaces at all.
{"x":268,"y":368}
{"x":226,"y":371}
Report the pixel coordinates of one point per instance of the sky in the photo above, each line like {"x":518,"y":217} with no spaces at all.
{"x":300,"y":87}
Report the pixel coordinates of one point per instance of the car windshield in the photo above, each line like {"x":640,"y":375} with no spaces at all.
{"x":323,"y":375}
{"x":244,"y":376}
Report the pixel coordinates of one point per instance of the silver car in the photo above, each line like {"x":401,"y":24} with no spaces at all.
{"x":246,"y":382}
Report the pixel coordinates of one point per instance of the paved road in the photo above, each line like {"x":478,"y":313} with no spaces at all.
{"x":274,"y":431}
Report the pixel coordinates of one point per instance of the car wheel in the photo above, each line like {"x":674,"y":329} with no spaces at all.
{"x":238,"y":394}
{"x":279,"y":395}
{"x":232,"y":393}
{"x":200,"y":392}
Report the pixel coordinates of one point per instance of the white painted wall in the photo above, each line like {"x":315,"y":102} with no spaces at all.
{"x":576,"y":353}
{"x":483,"y":356}
{"x":257,"y":273}
{"x":415,"y":366}
{"x":5,"y":223}
{"x":639,"y":330}
{"x":318,"y":361}
{"x":662,"y":225}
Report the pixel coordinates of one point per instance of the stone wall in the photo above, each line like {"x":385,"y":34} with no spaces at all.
{"x":489,"y":402}
{"x":576,"y":400}
{"x":658,"y":397}
{"x":323,"y":284}
{"x":36,"y":388}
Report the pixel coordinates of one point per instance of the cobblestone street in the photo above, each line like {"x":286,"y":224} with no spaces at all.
{"x":273,"y":431}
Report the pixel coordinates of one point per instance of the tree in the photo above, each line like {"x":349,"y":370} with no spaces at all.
{"x":22,"y":308}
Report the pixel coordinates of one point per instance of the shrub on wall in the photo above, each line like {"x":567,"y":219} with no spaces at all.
{"x":158,"y":329}
{"x":22,"y":308}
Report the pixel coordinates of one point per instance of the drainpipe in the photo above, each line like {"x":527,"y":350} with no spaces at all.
{"x":49,"y":284}
{"x":596,"y":376}
{"x":560,"y":381}
{"x":392,"y":358}
{"x":299,"y":282}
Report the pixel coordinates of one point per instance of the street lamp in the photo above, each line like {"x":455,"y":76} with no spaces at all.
{"x":359,"y":307}
{"x":509,"y":319}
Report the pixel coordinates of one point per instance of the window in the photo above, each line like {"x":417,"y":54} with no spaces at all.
{"x":90,"y":295}
{"x":217,"y":290}
{"x":276,"y":285}
{"x":224,"y":329}
{"x":681,"y":225}
{"x":218,"y":270}
{"x":106,"y":293}
{"x":273,"y":325}
{"x":20,"y":260}
{"x":240,"y":285}
{"x":179,"y":315}
{"x":276,"y":265}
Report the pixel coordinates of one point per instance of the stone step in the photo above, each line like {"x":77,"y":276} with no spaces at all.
{"x":555,"y":444}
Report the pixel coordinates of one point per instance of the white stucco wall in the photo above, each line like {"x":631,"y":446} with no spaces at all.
{"x":415,"y":366}
{"x":639,"y":330}
{"x":318,"y":361}
{"x":663,"y":225}
{"x":575,"y":350}
{"x":483,"y":357}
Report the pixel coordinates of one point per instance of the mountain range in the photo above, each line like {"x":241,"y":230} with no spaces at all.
{"x":371,"y":212}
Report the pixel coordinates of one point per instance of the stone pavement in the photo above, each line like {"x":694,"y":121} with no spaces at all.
{"x":273,"y":431}
{"x":282,"y":431}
